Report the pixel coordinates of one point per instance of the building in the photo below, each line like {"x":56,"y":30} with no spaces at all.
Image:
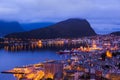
{"x":52,"y":68}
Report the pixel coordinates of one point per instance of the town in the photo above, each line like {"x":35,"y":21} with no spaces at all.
{"x":95,"y":57}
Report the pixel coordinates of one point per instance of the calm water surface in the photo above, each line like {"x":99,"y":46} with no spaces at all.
{"x":8,"y":60}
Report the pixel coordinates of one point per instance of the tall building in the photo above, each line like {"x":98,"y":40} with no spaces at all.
{"x":52,"y":68}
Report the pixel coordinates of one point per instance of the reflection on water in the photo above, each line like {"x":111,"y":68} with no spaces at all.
{"x":34,"y":47}
{"x":36,"y":44}
{"x":22,"y":46}
{"x":9,"y":60}
{"x":16,"y":52}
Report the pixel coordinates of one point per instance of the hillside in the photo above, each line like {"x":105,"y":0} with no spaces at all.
{"x":31,"y":26}
{"x":71,"y":28}
{"x":10,"y":27}
{"x":116,"y":33}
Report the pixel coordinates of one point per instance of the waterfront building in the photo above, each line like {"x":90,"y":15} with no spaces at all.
{"x":52,"y":68}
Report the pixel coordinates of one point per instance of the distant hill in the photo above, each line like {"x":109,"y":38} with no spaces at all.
{"x":71,"y":28}
{"x":31,"y":26}
{"x":116,"y":33}
{"x":9,"y":27}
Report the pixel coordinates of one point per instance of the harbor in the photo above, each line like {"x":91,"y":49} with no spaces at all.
{"x":94,"y":57}
{"x":78,"y":63}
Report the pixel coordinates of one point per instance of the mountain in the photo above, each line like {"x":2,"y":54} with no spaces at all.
{"x":31,"y":26}
{"x":71,"y":28}
{"x":9,"y":27}
{"x":116,"y":33}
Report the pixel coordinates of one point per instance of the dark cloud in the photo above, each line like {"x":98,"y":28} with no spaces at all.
{"x":106,"y":11}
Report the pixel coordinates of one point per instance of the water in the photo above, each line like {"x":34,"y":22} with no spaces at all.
{"x":9,"y":60}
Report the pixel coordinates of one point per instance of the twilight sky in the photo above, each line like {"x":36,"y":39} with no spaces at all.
{"x":103,"y":15}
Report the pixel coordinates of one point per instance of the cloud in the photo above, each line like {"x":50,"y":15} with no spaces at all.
{"x":28,"y":10}
{"x":96,"y":11}
{"x":104,"y":28}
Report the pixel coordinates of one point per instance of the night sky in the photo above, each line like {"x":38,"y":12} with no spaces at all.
{"x":103,"y":15}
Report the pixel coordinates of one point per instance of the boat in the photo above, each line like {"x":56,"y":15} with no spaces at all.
{"x":64,"y":52}
{"x":68,"y":51}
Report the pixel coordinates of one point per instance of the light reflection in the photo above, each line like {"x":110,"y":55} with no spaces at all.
{"x":109,"y":54}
